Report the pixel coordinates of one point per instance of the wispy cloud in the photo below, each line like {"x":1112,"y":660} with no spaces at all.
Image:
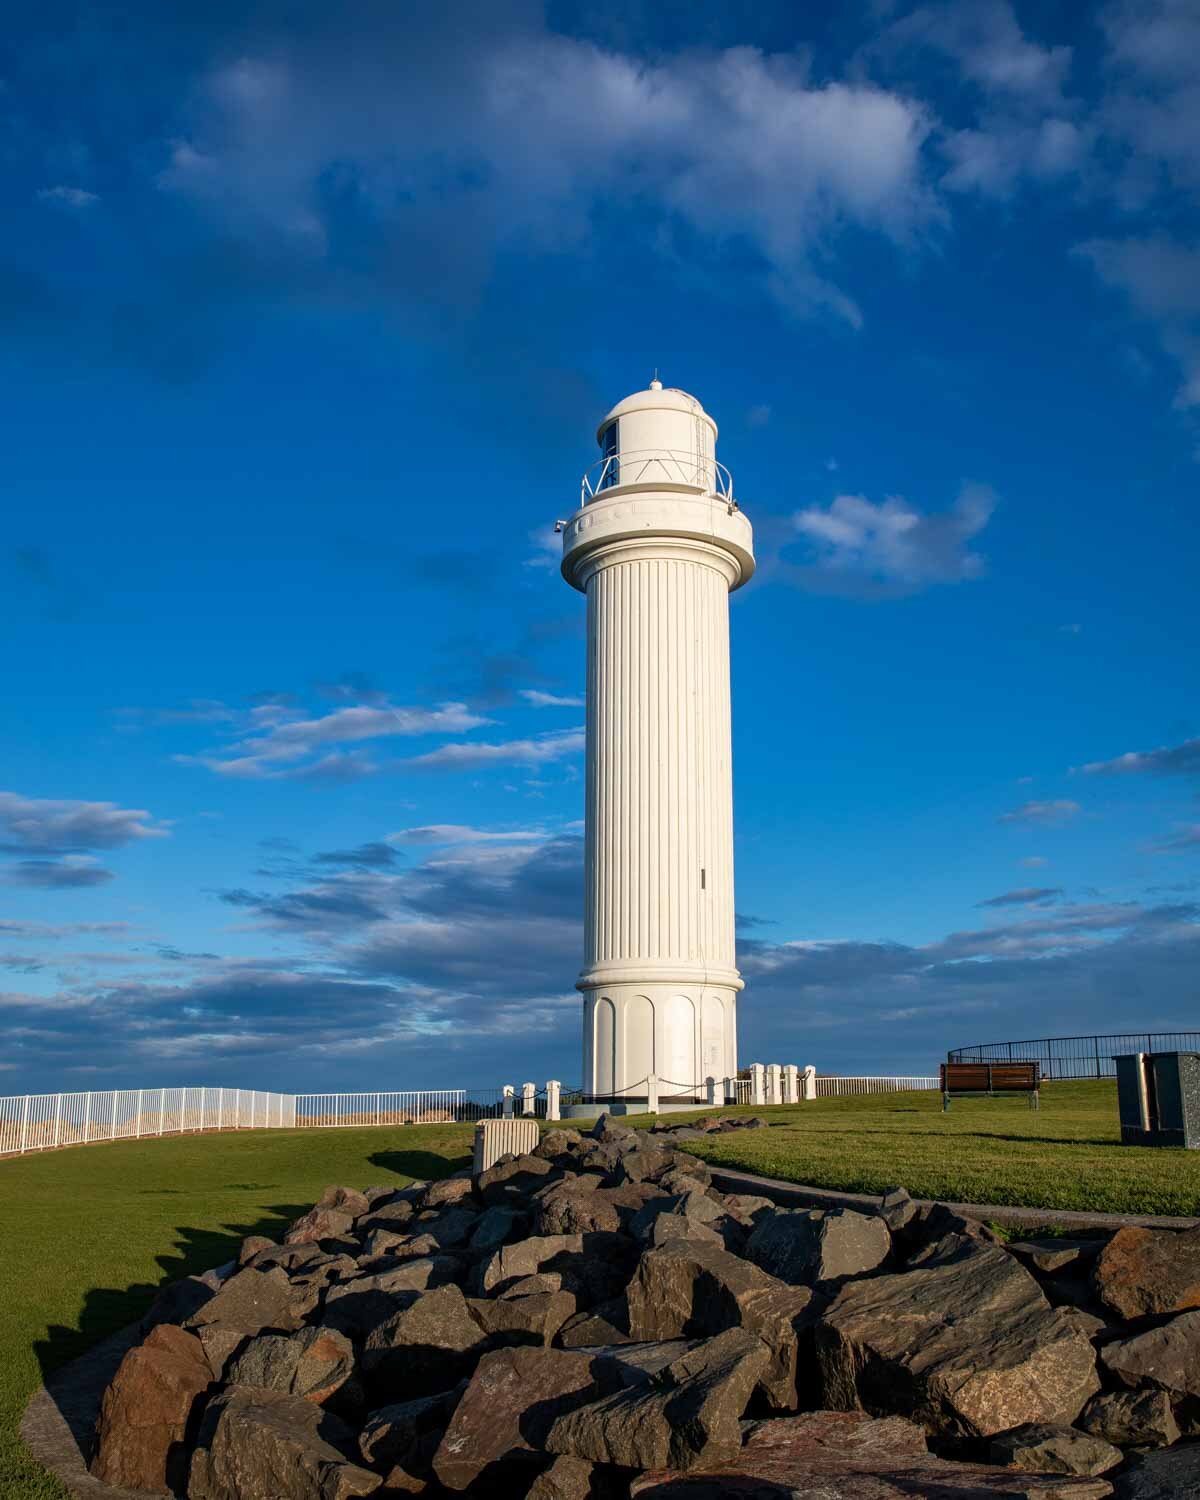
{"x":1060,"y":810}
{"x":1169,"y":760}
{"x":67,"y":196}
{"x":1030,"y":895}
{"x":71,"y":872}
{"x":63,"y":826}
{"x":537,"y":699}
{"x":524,"y":752}
{"x":462,"y":833}
{"x":1186,"y":837}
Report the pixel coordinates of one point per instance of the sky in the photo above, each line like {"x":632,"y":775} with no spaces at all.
{"x":308,"y":316}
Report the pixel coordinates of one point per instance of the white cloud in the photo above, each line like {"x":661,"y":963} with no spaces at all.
{"x":537,"y":699}
{"x":65,"y":827}
{"x":462,"y":833}
{"x":525,"y":752}
{"x":1035,"y":861}
{"x":1186,"y":836}
{"x":71,"y":197}
{"x":547,"y":548}
{"x":892,"y":547}
{"x":1059,"y":811}
{"x":1168,"y":760}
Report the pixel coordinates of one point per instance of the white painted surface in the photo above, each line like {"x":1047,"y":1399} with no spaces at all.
{"x":657,"y":553}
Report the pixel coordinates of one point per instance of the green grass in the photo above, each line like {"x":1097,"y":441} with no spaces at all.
{"x":87,"y":1234}
{"x":1065,"y":1155}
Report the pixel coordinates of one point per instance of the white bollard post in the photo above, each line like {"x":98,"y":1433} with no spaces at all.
{"x":791,"y":1084}
{"x":758,"y":1088}
{"x":553,"y":1091}
{"x":810,"y":1082}
{"x":730,"y":1086}
{"x":774,"y":1089}
{"x":528,"y":1096}
{"x":712,"y":1092}
{"x":507,"y":1106}
{"x":652,"y":1094}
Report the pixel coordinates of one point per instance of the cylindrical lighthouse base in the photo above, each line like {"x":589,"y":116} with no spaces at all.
{"x":661,"y":1042}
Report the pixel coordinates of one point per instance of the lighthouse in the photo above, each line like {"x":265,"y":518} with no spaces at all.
{"x":657,"y":545}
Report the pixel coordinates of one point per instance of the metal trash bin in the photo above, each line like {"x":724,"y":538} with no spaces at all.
{"x":1158,"y":1096}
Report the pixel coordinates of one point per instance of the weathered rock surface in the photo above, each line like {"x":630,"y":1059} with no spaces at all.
{"x":689,"y":1289}
{"x":535,"y":1319}
{"x":966,"y":1344}
{"x":401,"y":1440}
{"x":1131,"y":1419}
{"x":455,"y":1189}
{"x":566,"y":1479}
{"x":1051,"y":1448}
{"x":265,"y":1443}
{"x":315,"y":1363}
{"x":427,"y":1346}
{"x":1166,"y":1358}
{"x":817,"y":1248}
{"x":527,"y":1258}
{"x":511,"y":1401}
{"x":691,"y":1411}
{"x":146,"y":1411}
{"x":344,"y":1200}
{"x":362,"y":1302}
{"x":319,"y":1224}
{"x":1142,"y":1271}
{"x":1055,"y":1255}
{"x":1173,"y":1474}
{"x":826,"y":1455}
{"x":253,"y":1300}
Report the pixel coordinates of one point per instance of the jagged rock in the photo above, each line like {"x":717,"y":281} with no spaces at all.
{"x":1141,"y":1419}
{"x":493,"y":1227}
{"x":253,"y":1245}
{"x":220,"y":1344}
{"x":687,"y":1289}
{"x":603,"y":1326}
{"x":178,"y":1301}
{"x":345,"y":1200}
{"x":897,"y":1209}
{"x":523,"y":1320}
{"x":966,"y":1344}
{"x":558,"y":1143}
{"x":691,"y":1412}
{"x":294,"y":1259}
{"x":1087,"y":1323}
{"x":541,"y":1281}
{"x":929,"y":1227}
{"x":599,"y":1270}
{"x":357,"y":1305}
{"x":1051,"y":1448}
{"x":667,"y":1226}
{"x":637,"y":1364}
{"x":566,"y":1479}
{"x":1173,"y":1474}
{"x":256,"y":1300}
{"x":1142,"y":1271}
{"x":694,"y":1203}
{"x":512,"y":1178}
{"x":685,"y":1165}
{"x":569,"y":1208}
{"x":415,"y":1247}
{"x":377,"y":1193}
{"x":509,"y":1404}
{"x":747,"y":1208}
{"x":447,"y":1190}
{"x":451,"y":1228}
{"x":319,"y":1224}
{"x":265,"y":1443}
{"x":1166,"y":1358}
{"x":824,"y":1455}
{"x":527,"y":1257}
{"x":1055,"y":1255}
{"x":606,"y":1129}
{"x":391,"y":1215}
{"x":427,"y":1346}
{"x":146,"y":1411}
{"x":817,"y":1248}
{"x":400,"y":1440}
{"x":380,"y":1242}
{"x":314,"y":1363}
{"x":646,"y":1164}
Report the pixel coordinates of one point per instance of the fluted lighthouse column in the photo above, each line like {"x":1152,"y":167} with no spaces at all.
{"x":657,"y":546}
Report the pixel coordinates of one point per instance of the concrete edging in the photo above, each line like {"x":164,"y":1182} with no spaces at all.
{"x":798,"y":1195}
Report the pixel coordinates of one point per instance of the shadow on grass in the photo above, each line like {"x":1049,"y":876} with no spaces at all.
{"x":425,"y":1165}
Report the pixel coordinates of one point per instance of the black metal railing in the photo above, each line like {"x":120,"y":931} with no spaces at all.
{"x":1077,"y":1056}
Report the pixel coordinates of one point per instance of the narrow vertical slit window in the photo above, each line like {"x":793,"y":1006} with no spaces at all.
{"x":608,"y":448}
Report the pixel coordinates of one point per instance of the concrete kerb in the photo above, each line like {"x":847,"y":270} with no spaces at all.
{"x":798,"y":1195}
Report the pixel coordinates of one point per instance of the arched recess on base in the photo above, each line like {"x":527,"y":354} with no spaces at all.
{"x":639,"y":1040}
{"x":604,"y":1047}
{"x":712,"y":1014}
{"x":679,"y":1041}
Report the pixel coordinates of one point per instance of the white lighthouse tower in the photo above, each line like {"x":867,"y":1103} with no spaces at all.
{"x":656,"y":545}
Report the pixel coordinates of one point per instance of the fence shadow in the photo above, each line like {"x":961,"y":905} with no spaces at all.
{"x":425,"y":1165}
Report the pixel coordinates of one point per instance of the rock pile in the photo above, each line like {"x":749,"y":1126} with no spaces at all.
{"x":595,"y":1321}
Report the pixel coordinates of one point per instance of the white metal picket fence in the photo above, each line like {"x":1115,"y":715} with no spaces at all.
{"x":40,"y":1122}
{"x":830,"y":1088}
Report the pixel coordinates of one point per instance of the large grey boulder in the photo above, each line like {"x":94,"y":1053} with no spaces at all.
{"x":826,"y":1455}
{"x":1141,"y":1419}
{"x":320,"y":1224}
{"x":535,"y":1319}
{"x":400,"y":1440}
{"x":1144,"y":1271}
{"x":512,"y":1399}
{"x":575,"y":1207}
{"x":494,"y":1227}
{"x":818,"y":1248}
{"x":686,"y":1289}
{"x":966,"y":1344}
{"x":1051,"y":1448}
{"x":1173,"y":1474}
{"x":526,"y":1258}
{"x":361,"y":1303}
{"x":1166,"y":1358}
{"x":567,"y":1479}
{"x":457,"y":1188}
{"x":690,"y":1412}
{"x":315,"y":1363}
{"x":264,"y":1443}
{"x":427,"y":1346}
{"x":253,"y":1300}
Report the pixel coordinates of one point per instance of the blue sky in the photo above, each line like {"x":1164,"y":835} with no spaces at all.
{"x":309,"y":314}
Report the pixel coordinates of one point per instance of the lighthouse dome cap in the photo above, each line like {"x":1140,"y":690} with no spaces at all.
{"x":658,"y":397}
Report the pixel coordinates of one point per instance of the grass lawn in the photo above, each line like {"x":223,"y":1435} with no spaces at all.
{"x":87,"y":1234}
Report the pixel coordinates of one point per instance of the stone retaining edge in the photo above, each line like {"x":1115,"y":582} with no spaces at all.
{"x":797,"y":1195}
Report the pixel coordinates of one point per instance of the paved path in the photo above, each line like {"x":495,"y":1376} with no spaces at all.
{"x":796,"y":1195}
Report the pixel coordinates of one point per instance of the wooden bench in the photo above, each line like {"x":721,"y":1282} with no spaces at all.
{"x":991,"y":1078}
